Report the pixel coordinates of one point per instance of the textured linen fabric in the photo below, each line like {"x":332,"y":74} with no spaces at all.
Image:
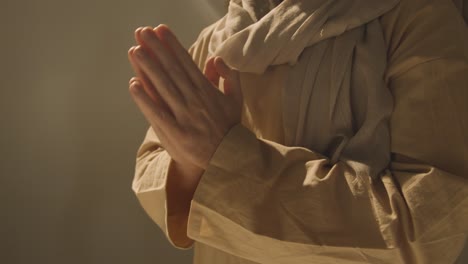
{"x":321,"y":113}
{"x":273,"y":193}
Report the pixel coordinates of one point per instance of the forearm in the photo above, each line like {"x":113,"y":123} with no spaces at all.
{"x":271,"y":203}
{"x":182,"y":182}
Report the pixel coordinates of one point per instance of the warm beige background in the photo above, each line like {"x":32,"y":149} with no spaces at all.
{"x":69,"y":130}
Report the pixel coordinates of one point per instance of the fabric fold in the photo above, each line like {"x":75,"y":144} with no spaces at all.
{"x":286,"y":30}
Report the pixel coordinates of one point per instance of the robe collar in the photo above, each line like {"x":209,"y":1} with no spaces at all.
{"x":250,"y":41}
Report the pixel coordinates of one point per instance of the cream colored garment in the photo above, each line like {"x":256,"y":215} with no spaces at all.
{"x":321,"y":113}
{"x":261,"y":201}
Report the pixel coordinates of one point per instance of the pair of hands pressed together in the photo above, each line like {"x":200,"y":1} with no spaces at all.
{"x":184,"y":106}
{"x":186,"y":110}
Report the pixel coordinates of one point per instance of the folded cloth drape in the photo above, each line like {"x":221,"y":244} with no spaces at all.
{"x":348,"y":102}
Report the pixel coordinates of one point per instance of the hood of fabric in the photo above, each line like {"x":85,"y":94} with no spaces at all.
{"x":280,"y":35}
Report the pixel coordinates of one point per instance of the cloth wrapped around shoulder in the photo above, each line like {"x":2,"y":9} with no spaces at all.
{"x":337,"y":104}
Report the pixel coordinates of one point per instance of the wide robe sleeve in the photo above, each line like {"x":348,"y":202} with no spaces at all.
{"x":270,"y":203}
{"x":150,"y":185}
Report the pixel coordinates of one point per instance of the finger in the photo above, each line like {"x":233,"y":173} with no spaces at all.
{"x":155,"y":115}
{"x":194,"y":73}
{"x":147,"y":85}
{"x":146,"y":82}
{"x":156,"y":74}
{"x":154,"y":97}
{"x":141,"y":42}
{"x":169,"y":63}
{"x":165,"y":141}
{"x":211,"y":73}
{"x":132,"y":80}
{"x":137,"y":36}
{"x":221,"y":67}
{"x":232,"y":85}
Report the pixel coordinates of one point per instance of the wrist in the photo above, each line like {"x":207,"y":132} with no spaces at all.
{"x":182,"y":181}
{"x":185,"y":175}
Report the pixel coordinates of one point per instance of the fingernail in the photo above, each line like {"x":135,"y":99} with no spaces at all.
{"x":163,"y":30}
{"x":163,"y":26}
{"x":130,"y":51}
{"x":223,"y":64}
{"x":134,"y":88}
{"x":136,"y":83}
{"x":138,"y":51}
{"x":147,"y":30}
{"x":132,"y":80}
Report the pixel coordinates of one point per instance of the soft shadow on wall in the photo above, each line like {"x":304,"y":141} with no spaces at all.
{"x":70,"y":130}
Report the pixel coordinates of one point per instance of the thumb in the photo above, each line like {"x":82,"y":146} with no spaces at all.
{"x":211,"y":73}
{"x":231,"y":77}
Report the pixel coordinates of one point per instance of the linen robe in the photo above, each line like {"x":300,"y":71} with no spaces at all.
{"x":264,"y":200}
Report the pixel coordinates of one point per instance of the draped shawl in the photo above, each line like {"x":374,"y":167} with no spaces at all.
{"x":335,"y":100}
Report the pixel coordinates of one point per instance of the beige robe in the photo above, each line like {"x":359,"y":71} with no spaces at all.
{"x":265,"y":200}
